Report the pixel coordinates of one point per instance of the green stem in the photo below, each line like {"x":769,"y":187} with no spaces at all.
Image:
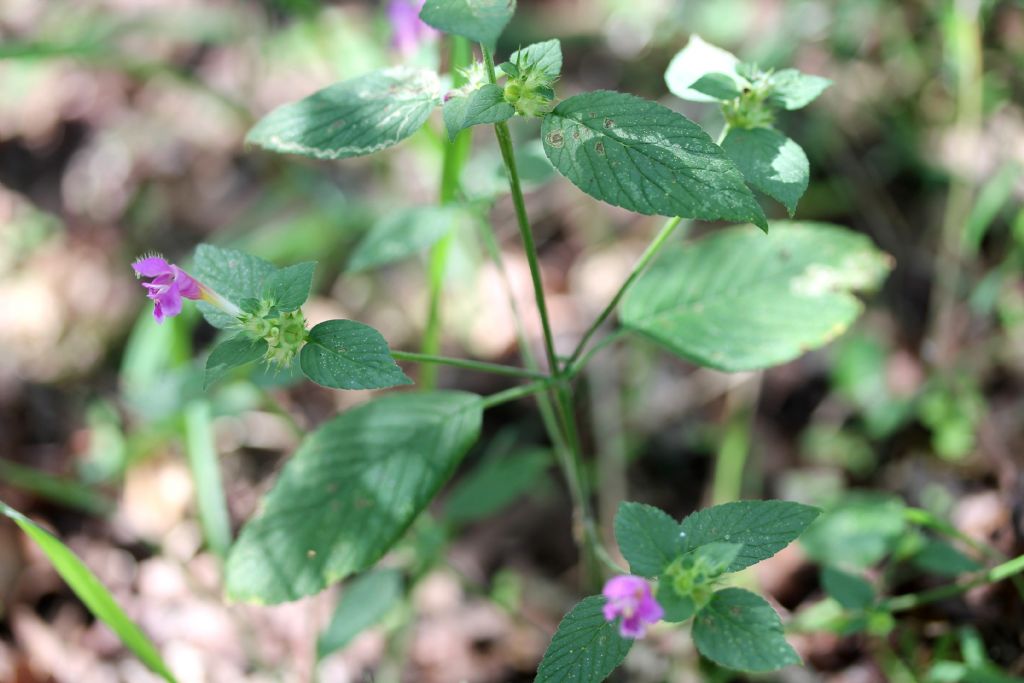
{"x":573,"y":369}
{"x":734,"y":449}
{"x":964,"y":44}
{"x":455,"y":154}
{"x":481,"y":366}
{"x":523,"y":221}
{"x":514,"y":393}
{"x":638,"y":269}
{"x":572,"y":463}
{"x":903,"y":603}
{"x":928,"y":520}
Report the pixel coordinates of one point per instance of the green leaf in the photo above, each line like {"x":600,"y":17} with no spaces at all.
{"x":698,"y":59}
{"x":351,"y":118}
{"x":771,"y":163}
{"x":942,"y":559}
{"x":741,"y":300}
{"x":486,"y":104}
{"x":849,"y":590}
{"x":644,"y":157}
{"x":364,"y":602}
{"x":288,"y":288}
{"x":794,"y":90}
{"x":495,"y":484}
{"x":351,"y":490}
{"x":716,"y":85}
{"x":764,"y":527}
{"x":90,"y":591}
{"x":402,"y":233}
{"x":585,"y":648}
{"x":677,"y":607}
{"x":231,"y":354}
{"x":546,"y":56}
{"x":857,"y":533}
{"x":482,"y":21}
{"x":344,"y":354}
{"x":233,"y":274}
{"x":648,"y":538}
{"x":739,"y":630}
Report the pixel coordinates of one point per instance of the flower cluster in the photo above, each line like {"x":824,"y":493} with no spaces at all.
{"x":168,"y":286}
{"x":629,"y":598}
{"x":284,"y":331}
{"x":529,"y":88}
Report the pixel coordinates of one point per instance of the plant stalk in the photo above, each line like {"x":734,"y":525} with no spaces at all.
{"x":652,"y":249}
{"x":903,"y":603}
{"x":572,"y":464}
{"x":480,"y":366}
{"x":455,"y":154}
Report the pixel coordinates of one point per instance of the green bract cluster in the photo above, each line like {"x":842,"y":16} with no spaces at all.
{"x":690,"y":560}
{"x":341,"y":354}
{"x":750,"y":97}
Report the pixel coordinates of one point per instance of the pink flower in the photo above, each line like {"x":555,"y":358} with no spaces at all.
{"x":408,"y":30}
{"x":169,"y":284}
{"x":630,"y":597}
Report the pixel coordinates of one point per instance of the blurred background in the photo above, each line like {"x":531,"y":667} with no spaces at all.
{"x":121,"y":132}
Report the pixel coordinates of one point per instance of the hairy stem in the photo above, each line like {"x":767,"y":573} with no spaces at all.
{"x":572,"y":464}
{"x":514,"y":393}
{"x":480,"y":366}
{"x":965,"y":44}
{"x":652,"y":249}
{"x":1001,"y":572}
{"x":523,"y":221}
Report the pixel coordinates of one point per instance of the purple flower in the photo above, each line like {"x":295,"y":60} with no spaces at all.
{"x":630,"y":597}
{"x":169,"y":284}
{"x":408,"y":30}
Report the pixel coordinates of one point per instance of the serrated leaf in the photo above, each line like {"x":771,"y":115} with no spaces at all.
{"x":764,"y":527}
{"x":858,"y":532}
{"x":349,"y":493}
{"x":939,"y":557}
{"x":482,"y":21}
{"x":771,"y":163}
{"x":90,"y":591}
{"x":644,"y":157}
{"x":793,"y":90}
{"x":495,"y":484}
{"x":716,"y":85}
{"x":741,"y":300}
{"x":231,"y":354}
{"x":849,"y":590}
{"x":585,"y":648}
{"x":363,"y":603}
{"x":695,"y":60}
{"x":233,"y":274}
{"x":288,"y":288}
{"x":351,"y":118}
{"x":739,"y":630}
{"x":402,"y":233}
{"x":547,"y":56}
{"x":486,"y":104}
{"x":345,"y":354}
{"x":648,"y":538}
